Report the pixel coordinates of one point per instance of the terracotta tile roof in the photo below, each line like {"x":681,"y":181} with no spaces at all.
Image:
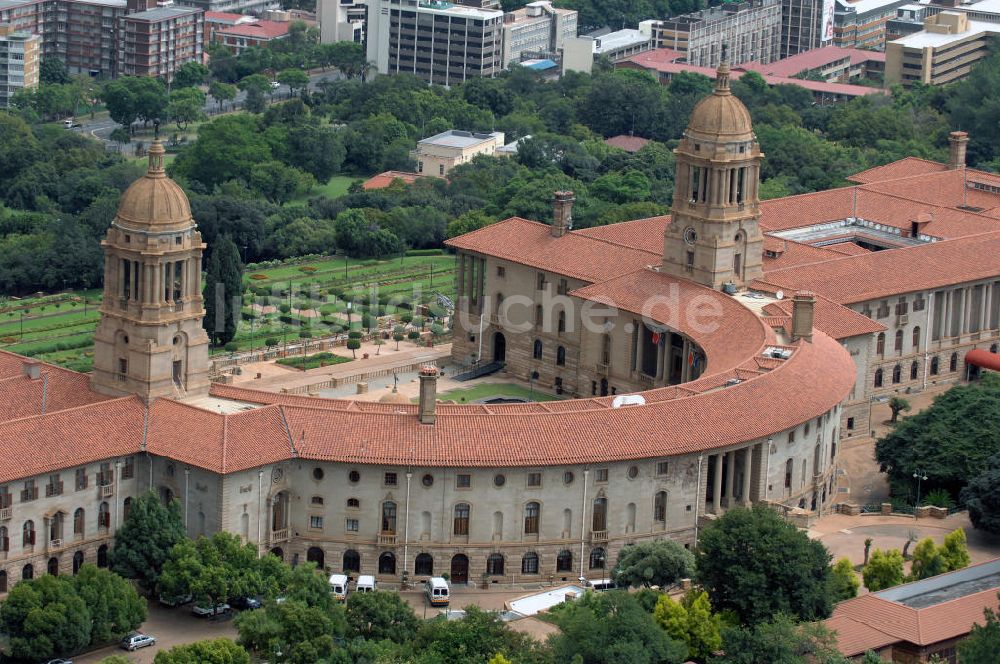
{"x":898,"y":169}
{"x":847,"y":248}
{"x":791,"y":253}
{"x":838,"y":321}
{"x":728,"y":332}
{"x":383,"y":180}
{"x":262,"y":29}
{"x":781,"y":214}
{"x":880,"y":274}
{"x":72,"y":437}
{"x":220,"y":443}
{"x":573,"y":431}
{"x":814,"y":59}
{"x":573,"y":255}
{"x":56,"y":389}
{"x":630,"y":144}
{"x":855,"y":637}
{"x":643,"y":234}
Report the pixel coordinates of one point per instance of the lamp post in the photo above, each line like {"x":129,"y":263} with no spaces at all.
{"x":919,"y":475}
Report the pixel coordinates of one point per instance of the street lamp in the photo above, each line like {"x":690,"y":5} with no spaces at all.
{"x":920,"y":476}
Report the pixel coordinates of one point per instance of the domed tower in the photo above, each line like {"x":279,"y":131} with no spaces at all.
{"x":150,"y":341}
{"x":714,"y":236}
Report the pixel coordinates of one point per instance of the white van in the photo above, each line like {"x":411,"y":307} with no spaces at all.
{"x":603,"y":584}
{"x":338,"y":586}
{"x":436,"y":589}
{"x":366,"y":584}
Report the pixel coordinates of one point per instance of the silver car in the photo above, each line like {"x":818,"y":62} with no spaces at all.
{"x":137,"y":640}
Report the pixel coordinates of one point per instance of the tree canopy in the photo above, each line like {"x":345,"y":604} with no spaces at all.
{"x":144,"y":541}
{"x":656,"y":563}
{"x":223,"y":291}
{"x":982,"y":497}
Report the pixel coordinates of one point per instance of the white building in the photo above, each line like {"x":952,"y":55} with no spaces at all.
{"x":536,"y":30}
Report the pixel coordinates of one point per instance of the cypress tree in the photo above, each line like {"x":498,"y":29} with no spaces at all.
{"x":223,"y":291}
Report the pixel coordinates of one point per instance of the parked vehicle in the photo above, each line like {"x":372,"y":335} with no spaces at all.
{"x":59,"y":661}
{"x":202,"y":611}
{"x":437,"y":591}
{"x":245,"y":603}
{"x":338,"y":586}
{"x":603,"y":584}
{"x":275,"y":85}
{"x":173,"y":602}
{"x":70,"y":123}
{"x":366,"y":584}
{"x":138,"y":640}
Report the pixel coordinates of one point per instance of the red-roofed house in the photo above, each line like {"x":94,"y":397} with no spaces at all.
{"x":383,"y":180}
{"x":247,"y":34}
{"x":833,"y":63}
{"x":630,"y":144}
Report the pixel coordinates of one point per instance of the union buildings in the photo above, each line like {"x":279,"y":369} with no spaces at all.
{"x":721,"y":394}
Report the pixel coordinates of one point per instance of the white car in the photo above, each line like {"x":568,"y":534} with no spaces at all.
{"x":275,"y":85}
{"x":138,"y":640}
{"x":202,"y":611}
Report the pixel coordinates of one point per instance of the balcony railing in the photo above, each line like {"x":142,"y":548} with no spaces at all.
{"x":598,"y":536}
{"x":55,"y":544}
{"x":387,"y":538}
{"x":6,"y":513}
{"x":54,"y":489}
{"x":106,"y":490}
{"x":280,"y":535}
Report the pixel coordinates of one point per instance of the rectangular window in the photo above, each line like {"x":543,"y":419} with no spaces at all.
{"x":55,"y":486}
{"x":5,"y":499}
{"x":501,"y":271}
{"x":30,"y":491}
{"x":128,"y":468}
{"x":81,"y":479}
{"x":463,"y":481}
{"x":850,"y":423}
{"x":316,"y":522}
{"x":441,"y":169}
{"x":662,"y":468}
{"x":602,"y":475}
{"x":534,"y":479}
{"x":316,"y":500}
{"x":122,"y":368}
{"x":541,"y":281}
{"x":351,"y":525}
{"x":390,"y":479}
{"x":689,"y":260}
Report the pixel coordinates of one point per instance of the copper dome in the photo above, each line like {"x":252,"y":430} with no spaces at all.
{"x":721,"y":116}
{"x":154,"y":200}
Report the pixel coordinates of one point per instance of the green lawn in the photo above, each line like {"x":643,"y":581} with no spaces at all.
{"x":313,"y":361}
{"x":335,"y":188}
{"x":492,"y":390}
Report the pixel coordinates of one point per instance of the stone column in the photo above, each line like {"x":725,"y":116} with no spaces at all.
{"x":460,"y":283}
{"x":730,"y":472}
{"x":747,"y":474}
{"x":639,"y":350}
{"x":157,"y":283}
{"x":946,"y":332}
{"x":660,"y":353}
{"x":270,"y":520}
{"x":481,"y":289}
{"x":685,"y":366}
{"x":717,"y":485}
{"x":966,"y":310}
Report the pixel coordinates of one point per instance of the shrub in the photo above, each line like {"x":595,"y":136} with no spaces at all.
{"x":354,"y":335}
{"x":258,"y":277}
{"x":232,"y":347}
{"x":284,"y":308}
{"x":271,"y":341}
{"x":413,"y":334}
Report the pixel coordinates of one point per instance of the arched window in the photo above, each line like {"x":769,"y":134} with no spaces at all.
{"x":388,"y":517}
{"x":387,"y":563}
{"x":79,"y":524}
{"x":497,"y":525}
{"x":4,"y":540}
{"x":102,"y":555}
{"x":993,"y":348}
{"x":789,"y":468}
{"x":532,"y":511}
{"x":598,"y":558}
{"x":935,"y":366}
{"x":353,"y":503}
{"x":461,"y":521}
{"x":878,"y":378}
{"x":3,"y":581}
{"x":916,"y":338}
{"x":529,"y":563}
{"x":104,"y":516}
{"x":77,"y":561}
{"x":880,"y":344}
{"x":27,"y":572}
{"x":494,"y":564}
{"x":898,"y":346}
{"x":315,"y":555}
{"x":953,"y":364}
{"x":352,"y":561}
{"x":126,"y":507}
{"x":537,"y":351}
{"x":539,"y":316}
{"x":660,"y":507}
{"x":28,"y":533}
{"x":423,"y":565}
{"x":897,"y":374}
{"x":561,"y":356}
{"x":53,"y":567}
{"x":562,"y":322}
{"x":914,"y":370}
{"x":600,"y":517}
{"x":564,"y":561}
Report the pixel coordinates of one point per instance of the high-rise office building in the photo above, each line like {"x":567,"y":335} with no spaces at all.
{"x":157,"y":41}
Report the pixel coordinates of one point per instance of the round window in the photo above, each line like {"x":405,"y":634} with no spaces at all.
{"x":633,"y":472}
{"x":568,"y":477}
{"x":427,"y":480}
{"x":354,"y":476}
{"x":499,"y":480}
{"x":317,"y":474}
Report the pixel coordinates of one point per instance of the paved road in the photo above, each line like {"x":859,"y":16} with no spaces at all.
{"x":101,"y":128}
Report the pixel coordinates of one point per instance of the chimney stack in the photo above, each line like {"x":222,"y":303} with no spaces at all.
{"x":803,"y":305}
{"x":428,"y":393}
{"x":32,"y":369}
{"x":957,"y":141}
{"x":917,"y":225}
{"x":562,"y":213}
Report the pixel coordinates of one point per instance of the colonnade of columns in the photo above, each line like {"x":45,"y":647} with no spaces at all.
{"x":964,"y":310}
{"x":725,"y":463}
{"x":471,"y":282}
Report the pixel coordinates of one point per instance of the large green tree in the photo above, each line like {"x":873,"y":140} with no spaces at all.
{"x":756,"y":564}
{"x":952,"y":441}
{"x":292,"y":631}
{"x":115,"y":607}
{"x":186,"y":105}
{"x":779,"y":640}
{"x":45,"y":618}
{"x":982,"y":497}
{"x":691,"y":620}
{"x":223,"y":291}
{"x":190,"y":74}
{"x":884,"y":570}
{"x":609,"y":628}
{"x":144,"y":541}
{"x":226,"y":149}
{"x":475,"y":639}
{"x":214,"y":651}
{"x":379,"y":616}
{"x":844,"y":582}
{"x":656,"y":563}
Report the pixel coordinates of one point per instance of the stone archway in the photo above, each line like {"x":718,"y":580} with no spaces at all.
{"x":77,"y":561}
{"x":278,"y":552}
{"x":315,"y":555}
{"x":53,"y":567}
{"x":499,"y":347}
{"x":387,"y":563}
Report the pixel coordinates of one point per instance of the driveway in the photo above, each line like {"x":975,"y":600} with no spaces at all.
{"x":171,"y":627}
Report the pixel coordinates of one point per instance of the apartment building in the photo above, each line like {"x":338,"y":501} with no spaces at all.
{"x":248,"y":34}
{"x":257,"y":7}
{"x":802,"y":25}
{"x":157,"y":41}
{"x":579,"y":53}
{"x":862,"y":24}
{"x":437,"y":41}
{"x":341,"y":20}
{"x":19,"y":60}
{"x":537,"y":30}
{"x":944,"y":51}
{"x":442,"y":152}
{"x":752,"y":31}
